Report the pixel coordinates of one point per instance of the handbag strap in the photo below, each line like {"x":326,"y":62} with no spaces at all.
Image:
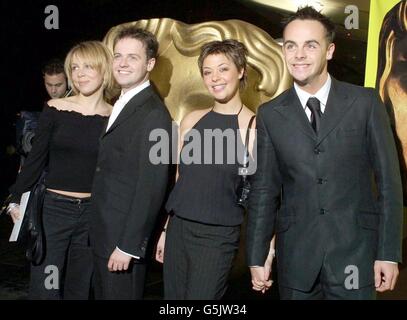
{"x":246,"y":143}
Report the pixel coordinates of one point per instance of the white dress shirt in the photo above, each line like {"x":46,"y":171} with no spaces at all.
{"x":117,"y":108}
{"x":322,"y":95}
{"x":123,"y":100}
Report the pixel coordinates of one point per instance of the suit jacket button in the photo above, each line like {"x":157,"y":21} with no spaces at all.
{"x":323,"y":211}
{"x":317,"y":151}
{"x":97,"y":169}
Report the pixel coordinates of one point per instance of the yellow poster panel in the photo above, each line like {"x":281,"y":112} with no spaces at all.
{"x":386,"y":68}
{"x":378,"y":10}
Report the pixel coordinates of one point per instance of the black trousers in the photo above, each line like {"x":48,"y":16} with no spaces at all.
{"x":66,"y":270}
{"x":198,"y":259}
{"x":119,"y":285}
{"x":327,"y":288}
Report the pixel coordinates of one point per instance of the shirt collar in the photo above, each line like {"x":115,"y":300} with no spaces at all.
{"x":321,"y":94}
{"x":125,"y":97}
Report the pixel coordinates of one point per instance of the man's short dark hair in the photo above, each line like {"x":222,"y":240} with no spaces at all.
{"x":309,"y":13}
{"x":146,"y":37}
{"x":53,"y":66}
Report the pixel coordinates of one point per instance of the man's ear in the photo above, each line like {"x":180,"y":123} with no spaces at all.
{"x":150,"y":64}
{"x":330,"y":51}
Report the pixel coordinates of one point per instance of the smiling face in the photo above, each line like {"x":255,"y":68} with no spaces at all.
{"x":130,"y":64}
{"x":306,"y":52}
{"x":85,"y":78}
{"x":221,"y":77}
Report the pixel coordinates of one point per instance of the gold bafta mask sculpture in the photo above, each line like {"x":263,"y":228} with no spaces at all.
{"x":176,"y":74}
{"x":392,"y":70}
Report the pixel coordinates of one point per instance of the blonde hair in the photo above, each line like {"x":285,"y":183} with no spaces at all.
{"x":98,"y":56}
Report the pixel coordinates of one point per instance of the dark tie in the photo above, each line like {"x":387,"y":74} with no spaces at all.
{"x":314,"y":106}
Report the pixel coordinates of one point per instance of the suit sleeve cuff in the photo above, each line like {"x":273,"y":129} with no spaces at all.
{"x":135,"y":257}
{"x":390,"y":262}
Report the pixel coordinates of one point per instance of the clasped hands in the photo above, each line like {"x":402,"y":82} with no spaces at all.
{"x":261,"y":274}
{"x":386,"y":275}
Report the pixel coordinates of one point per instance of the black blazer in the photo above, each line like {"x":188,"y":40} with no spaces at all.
{"x":331,"y":210}
{"x":128,"y":190}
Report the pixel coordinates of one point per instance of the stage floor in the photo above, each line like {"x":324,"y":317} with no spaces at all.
{"x":14,"y":275}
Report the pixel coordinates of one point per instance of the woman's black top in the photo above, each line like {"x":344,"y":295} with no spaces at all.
{"x":66,"y":143}
{"x":205,"y":189}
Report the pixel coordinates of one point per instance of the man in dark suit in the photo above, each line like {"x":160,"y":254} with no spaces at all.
{"x":128,"y":188}
{"x":327,"y":181}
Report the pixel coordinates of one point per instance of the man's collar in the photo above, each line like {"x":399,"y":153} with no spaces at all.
{"x":321,"y":94}
{"x":125,"y":97}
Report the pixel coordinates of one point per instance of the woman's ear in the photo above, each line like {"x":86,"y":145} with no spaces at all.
{"x":241,"y":73}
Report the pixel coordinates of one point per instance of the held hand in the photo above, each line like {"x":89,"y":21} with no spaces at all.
{"x":159,"y":252}
{"x":258,"y":280}
{"x":385,"y":275}
{"x":267,"y":270}
{"x":15,"y":213}
{"x":118,"y":261}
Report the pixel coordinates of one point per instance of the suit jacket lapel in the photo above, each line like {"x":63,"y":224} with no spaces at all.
{"x":338,"y":104}
{"x":292,"y":109}
{"x":103,"y":130}
{"x":130,"y":108}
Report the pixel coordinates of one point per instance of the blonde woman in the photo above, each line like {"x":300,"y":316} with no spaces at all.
{"x":66,"y":145}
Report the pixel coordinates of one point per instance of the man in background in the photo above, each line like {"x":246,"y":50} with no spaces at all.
{"x":55,"y":79}
{"x":56,"y":85}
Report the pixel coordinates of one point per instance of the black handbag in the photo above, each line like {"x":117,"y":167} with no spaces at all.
{"x":31,"y":232}
{"x":243,"y":188}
